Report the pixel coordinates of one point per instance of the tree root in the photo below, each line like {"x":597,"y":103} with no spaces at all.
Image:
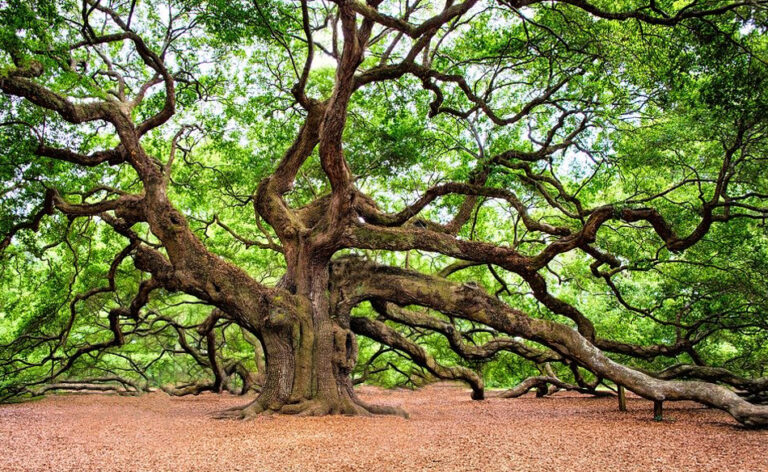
{"x":310,"y":407}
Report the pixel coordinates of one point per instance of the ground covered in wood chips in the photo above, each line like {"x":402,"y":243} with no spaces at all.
{"x":446,"y":431}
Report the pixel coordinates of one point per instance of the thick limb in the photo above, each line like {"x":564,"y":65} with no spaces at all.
{"x":410,"y":288}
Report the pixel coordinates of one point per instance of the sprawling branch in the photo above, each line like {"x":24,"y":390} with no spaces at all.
{"x":382,"y":333}
{"x":33,"y":223}
{"x":687,"y":12}
{"x":456,"y":339}
{"x":541,"y":382}
{"x":405,"y":287}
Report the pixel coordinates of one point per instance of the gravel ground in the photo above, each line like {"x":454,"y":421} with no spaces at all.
{"x":447,"y":431}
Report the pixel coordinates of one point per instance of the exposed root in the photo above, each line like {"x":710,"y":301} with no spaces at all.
{"x":310,"y":407}
{"x":250,"y":410}
{"x":383,"y":409}
{"x":306,"y":408}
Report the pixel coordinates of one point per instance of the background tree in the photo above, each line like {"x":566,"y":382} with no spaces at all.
{"x":569,"y":189}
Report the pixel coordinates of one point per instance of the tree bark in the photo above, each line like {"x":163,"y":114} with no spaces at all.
{"x":310,"y":354}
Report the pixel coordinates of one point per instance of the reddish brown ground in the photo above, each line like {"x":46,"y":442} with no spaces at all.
{"x":447,"y":431}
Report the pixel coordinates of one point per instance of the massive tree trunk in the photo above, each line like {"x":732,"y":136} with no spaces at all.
{"x":309,"y":352}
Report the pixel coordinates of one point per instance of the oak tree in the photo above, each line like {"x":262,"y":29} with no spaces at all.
{"x":574,"y":184}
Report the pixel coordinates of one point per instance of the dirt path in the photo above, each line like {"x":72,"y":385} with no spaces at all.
{"x":447,"y":431}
